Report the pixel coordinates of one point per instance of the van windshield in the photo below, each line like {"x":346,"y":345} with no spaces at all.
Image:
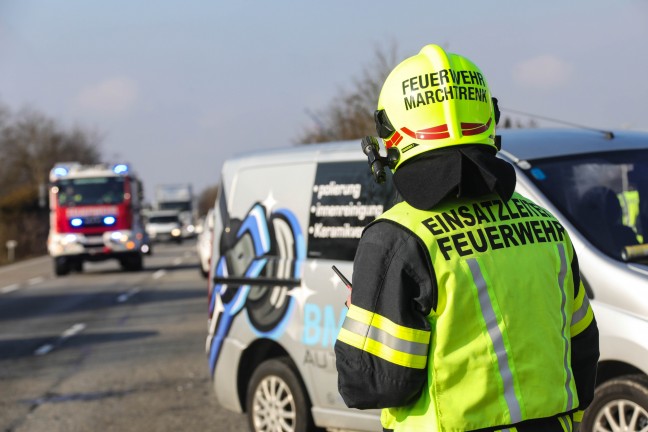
{"x":604,"y":195}
{"x":163,"y":219}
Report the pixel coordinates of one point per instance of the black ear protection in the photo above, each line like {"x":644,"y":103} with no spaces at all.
{"x":383,"y":126}
{"x":498,"y":138}
{"x":377,"y":163}
{"x":496,"y":110}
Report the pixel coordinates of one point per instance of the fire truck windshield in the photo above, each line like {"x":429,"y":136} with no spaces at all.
{"x":84,"y":191}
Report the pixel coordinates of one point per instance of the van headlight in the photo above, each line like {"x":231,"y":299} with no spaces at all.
{"x":175,"y":232}
{"x":119,"y":239}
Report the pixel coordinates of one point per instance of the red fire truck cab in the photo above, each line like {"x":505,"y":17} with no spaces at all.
{"x":95,"y":214}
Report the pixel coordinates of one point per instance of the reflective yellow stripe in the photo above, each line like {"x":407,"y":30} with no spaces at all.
{"x":566,"y":423}
{"x":578,"y":416}
{"x":582,"y":316}
{"x":383,"y":351}
{"x":375,"y":320}
{"x":383,"y":338}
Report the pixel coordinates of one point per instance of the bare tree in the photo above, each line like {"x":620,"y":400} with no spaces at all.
{"x":350,"y":114}
{"x":30,"y":145}
{"x":206,"y":199}
{"x":507,"y":123}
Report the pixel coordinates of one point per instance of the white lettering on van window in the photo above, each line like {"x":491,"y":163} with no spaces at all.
{"x":334,"y":189}
{"x":319,"y":230}
{"x":357,"y":210}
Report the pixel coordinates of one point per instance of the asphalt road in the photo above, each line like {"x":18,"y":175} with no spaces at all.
{"x":106,"y":350}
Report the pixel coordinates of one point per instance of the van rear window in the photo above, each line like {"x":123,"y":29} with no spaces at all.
{"x":344,"y":199}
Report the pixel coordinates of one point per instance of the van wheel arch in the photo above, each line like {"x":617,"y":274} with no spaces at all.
{"x":610,"y":369}
{"x":258,"y":352}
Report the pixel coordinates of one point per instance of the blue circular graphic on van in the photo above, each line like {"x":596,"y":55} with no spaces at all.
{"x":258,"y":267}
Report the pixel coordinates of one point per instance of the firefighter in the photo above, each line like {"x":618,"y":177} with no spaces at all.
{"x":467,"y":311}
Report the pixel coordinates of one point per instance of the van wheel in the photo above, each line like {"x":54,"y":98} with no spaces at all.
{"x":619,"y":405}
{"x":276,"y":399}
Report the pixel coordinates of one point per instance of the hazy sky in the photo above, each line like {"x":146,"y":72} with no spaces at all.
{"x":175,"y":87}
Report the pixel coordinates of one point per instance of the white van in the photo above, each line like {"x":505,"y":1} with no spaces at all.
{"x":285,"y":217}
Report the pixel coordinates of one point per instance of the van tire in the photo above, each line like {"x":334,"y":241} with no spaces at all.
{"x":278,"y":377}
{"x":632,"y":391}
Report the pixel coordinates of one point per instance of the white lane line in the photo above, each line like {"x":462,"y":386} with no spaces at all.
{"x":44,"y":350}
{"x":177,"y":261}
{"x":158,"y":274}
{"x":34,"y":281}
{"x":125,"y":296}
{"x":10,"y":288}
{"x":75,"y":329}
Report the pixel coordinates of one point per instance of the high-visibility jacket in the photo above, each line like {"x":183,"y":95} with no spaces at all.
{"x":629,"y":201}
{"x":508,"y":303}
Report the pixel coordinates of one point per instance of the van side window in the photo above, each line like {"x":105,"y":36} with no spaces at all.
{"x":344,"y":199}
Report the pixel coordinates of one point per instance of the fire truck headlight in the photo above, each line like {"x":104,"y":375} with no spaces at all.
{"x":109,"y":220}
{"x":69,"y":239}
{"x":76,"y":222}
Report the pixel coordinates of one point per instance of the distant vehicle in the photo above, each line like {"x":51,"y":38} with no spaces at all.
{"x":179,"y":197}
{"x":204,"y":241}
{"x":164,"y":226}
{"x":275,"y":306}
{"x":95,"y":214}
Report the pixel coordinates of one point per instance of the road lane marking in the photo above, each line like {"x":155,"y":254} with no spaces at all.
{"x":34,"y":281}
{"x":47,"y":348}
{"x":44,"y":350}
{"x":10,"y":288}
{"x":75,"y":329}
{"x":177,"y":261}
{"x":158,"y":274}
{"x":125,"y":296}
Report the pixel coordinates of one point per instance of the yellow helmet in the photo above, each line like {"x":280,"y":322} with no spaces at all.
{"x":434,"y":100}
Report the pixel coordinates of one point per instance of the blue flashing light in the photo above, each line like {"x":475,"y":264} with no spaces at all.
{"x":120,"y":169}
{"x":109,"y":220}
{"x":60,"y":171}
{"x":76,"y":222}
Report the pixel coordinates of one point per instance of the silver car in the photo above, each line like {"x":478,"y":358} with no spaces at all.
{"x":596,"y":183}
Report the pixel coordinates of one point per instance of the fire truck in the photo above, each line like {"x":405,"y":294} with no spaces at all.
{"x":95,"y":215}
